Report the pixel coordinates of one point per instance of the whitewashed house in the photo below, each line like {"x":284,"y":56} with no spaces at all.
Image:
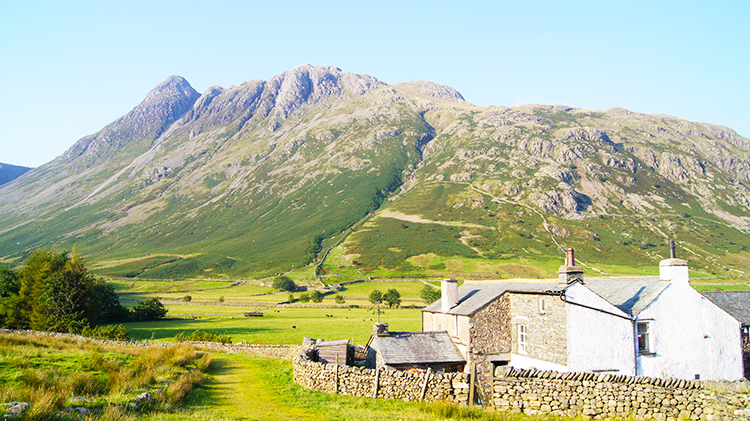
{"x":658,"y":327}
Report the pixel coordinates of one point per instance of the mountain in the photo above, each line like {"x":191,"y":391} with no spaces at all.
{"x":11,"y":172}
{"x":360,"y":177}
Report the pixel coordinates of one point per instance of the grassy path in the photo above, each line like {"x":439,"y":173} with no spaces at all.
{"x":241,"y":389}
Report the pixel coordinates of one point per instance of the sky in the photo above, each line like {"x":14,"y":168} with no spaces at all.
{"x":67,"y":69}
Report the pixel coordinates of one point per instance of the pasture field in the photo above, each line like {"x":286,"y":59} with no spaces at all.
{"x":282,"y":325}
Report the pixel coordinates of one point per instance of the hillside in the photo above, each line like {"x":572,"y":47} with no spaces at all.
{"x":11,"y":172}
{"x":396,"y":180}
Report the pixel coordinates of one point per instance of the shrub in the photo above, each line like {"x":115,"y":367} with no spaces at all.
{"x":316,"y":296}
{"x":392,"y":297}
{"x":339,"y":299}
{"x":284,"y":283}
{"x":203,"y":336}
{"x":110,"y":332}
{"x":375,"y":296}
{"x":146,"y":310}
{"x":430,"y":294}
{"x":187,"y":298}
{"x":304,"y":298}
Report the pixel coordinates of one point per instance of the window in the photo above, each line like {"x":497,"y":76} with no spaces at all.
{"x":644,"y":338}
{"x":522,"y":340}
{"x":542,"y":305}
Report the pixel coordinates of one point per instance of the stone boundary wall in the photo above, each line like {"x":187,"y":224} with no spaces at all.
{"x":385,"y":384}
{"x":603,"y":396}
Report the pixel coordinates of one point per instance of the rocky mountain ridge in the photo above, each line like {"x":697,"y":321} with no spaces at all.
{"x":266,"y":175}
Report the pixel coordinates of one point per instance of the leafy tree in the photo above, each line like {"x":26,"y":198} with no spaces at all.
{"x":284,"y":283}
{"x":221,"y":299}
{"x":375,"y":296}
{"x":392,"y":297}
{"x":304,"y":298}
{"x":291,"y":298}
{"x":147,"y":310}
{"x":9,"y":283}
{"x":316,"y":296}
{"x":339,"y":299}
{"x":430,"y":294}
{"x":104,"y":298}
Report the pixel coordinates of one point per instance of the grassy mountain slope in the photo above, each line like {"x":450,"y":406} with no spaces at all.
{"x":268,"y":176}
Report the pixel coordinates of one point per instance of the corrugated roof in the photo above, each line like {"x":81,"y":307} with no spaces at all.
{"x":417,"y":348}
{"x":630,"y":295}
{"x":475,"y":295}
{"x":736,"y":303}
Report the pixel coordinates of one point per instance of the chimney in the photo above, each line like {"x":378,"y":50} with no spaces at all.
{"x":380,"y":329}
{"x":673,"y":269}
{"x":569,"y":272}
{"x":449,"y":289}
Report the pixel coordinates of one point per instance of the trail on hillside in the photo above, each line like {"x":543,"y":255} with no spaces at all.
{"x":239,"y":389}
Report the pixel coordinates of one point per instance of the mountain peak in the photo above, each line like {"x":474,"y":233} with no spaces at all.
{"x":434,"y":90}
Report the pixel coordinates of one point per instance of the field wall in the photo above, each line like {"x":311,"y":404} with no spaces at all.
{"x":385,"y":384}
{"x":607,"y":395}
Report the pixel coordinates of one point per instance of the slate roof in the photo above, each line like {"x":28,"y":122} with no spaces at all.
{"x":473,"y":296}
{"x":417,"y":348}
{"x":736,"y":303}
{"x":631,"y":295}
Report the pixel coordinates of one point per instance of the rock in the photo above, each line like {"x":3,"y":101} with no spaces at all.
{"x":143,"y":398}
{"x":16,"y":409}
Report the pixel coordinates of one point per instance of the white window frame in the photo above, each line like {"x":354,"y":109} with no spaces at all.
{"x":542,"y":305}
{"x":523,"y":339}
{"x":644,"y":337}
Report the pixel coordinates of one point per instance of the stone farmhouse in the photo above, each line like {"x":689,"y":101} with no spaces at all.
{"x":657,"y":327}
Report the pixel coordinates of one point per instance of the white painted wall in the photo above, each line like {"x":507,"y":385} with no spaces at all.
{"x":598,"y":340}
{"x":525,"y":362}
{"x":691,"y":335}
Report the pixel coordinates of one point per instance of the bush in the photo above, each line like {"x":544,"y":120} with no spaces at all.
{"x":304,"y":298}
{"x":339,"y":299}
{"x":187,"y":298}
{"x":316,"y":296}
{"x":375,"y":296}
{"x":203,"y":336}
{"x":284,"y":283}
{"x":430,"y":294}
{"x":147,"y":310}
{"x":392,"y":297}
{"x":110,"y":332}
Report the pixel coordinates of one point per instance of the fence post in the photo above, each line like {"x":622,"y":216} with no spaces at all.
{"x":424,"y":386}
{"x":472,"y":387}
{"x":336,"y":377}
{"x":377,"y":383}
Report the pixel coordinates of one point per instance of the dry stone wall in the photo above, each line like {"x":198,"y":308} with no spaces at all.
{"x":603,"y":396}
{"x":385,"y":384}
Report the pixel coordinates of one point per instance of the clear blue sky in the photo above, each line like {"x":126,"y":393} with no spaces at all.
{"x":67,"y":69}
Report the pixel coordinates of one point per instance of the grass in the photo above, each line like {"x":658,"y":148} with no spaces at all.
{"x":48,"y":372}
{"x":278,"y":325}
{"x":241,"y":381}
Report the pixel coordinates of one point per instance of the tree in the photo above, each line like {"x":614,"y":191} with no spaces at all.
{"x":392,"y":297}
{"x":430,"y":294}
{"x":284,"y":283}
{"x":316,"y":296}
{"x":339,"y":299}
{"x":304,"y":298}
{"x":147,"y":310}
{"x":375,"y":296}
{"x":188,"y":298}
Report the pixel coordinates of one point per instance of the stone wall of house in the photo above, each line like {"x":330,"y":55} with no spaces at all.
{"x":607,"y":395}
{"x":385,"y":384}
{"x":546,"y":331}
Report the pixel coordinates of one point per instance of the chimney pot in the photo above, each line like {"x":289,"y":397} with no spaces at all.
{"x":569,"y":272}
